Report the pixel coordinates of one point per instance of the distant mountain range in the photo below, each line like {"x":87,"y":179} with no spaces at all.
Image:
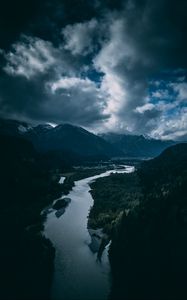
{"x":78,"y":143}
{"x":136,"y":145}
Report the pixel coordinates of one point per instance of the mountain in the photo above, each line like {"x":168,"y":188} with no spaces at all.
{"x":66,"y":137}
{"x":76,"y":144}
{"x":136,"y":145}
{"x":149,"y":246}
{"x":64,"y":140}
{"x":13,"y":127}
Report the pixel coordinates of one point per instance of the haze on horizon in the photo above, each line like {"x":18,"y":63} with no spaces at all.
{"x":104,"y":65}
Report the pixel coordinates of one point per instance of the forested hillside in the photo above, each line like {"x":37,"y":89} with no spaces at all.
{"x":148,"y":252}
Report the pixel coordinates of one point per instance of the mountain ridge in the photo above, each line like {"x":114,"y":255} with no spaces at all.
{"x":83,"y":143}
{"x":137,"y":145}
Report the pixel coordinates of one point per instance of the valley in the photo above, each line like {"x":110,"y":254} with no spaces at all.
{"x":93,"y":220}
{"x":93,"y":150}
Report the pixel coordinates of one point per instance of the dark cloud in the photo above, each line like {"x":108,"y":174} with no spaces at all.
{"x":15,"y":17}
{"x":43,"y":18}
{"x":32,"y":101}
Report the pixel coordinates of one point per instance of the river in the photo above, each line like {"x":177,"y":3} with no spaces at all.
{"x":78,"y":275}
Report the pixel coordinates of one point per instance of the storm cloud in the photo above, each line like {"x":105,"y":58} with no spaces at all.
{"x":108,"y":66}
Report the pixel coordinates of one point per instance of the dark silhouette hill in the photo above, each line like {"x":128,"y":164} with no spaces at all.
{"x":148,"y":252}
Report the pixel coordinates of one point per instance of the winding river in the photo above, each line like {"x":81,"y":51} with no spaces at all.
{"x":78,"y":275}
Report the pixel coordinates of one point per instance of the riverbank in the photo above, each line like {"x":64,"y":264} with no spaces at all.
{"x":111,"y":196}
{"x":26,"y":256}
{"x":67,"y":183}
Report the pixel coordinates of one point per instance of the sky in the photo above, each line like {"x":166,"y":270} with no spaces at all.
{"x":106,"y":65}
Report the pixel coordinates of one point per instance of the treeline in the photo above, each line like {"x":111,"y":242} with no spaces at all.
{"x":145,"y":214}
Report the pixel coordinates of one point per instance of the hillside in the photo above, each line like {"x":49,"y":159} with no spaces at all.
{"x":27,"y":186}
{"x":13,"y":127}
{"x":148,"y":252}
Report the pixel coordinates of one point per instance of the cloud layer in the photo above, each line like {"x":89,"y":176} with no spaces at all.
{"x":120,"y":67}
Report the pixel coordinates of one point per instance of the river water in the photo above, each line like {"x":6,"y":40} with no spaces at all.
{"x":78,"y":275}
